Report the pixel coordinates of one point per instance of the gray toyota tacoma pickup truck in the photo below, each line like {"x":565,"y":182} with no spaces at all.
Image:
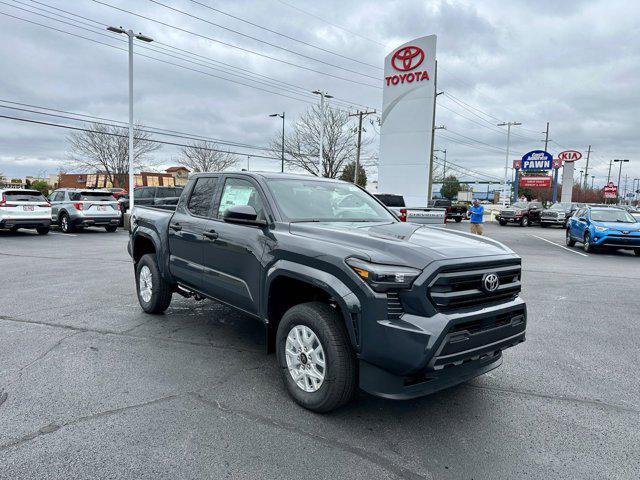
{"x":349,"y":295}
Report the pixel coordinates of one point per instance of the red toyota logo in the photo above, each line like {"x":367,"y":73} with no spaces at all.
{"x":407,"y":58}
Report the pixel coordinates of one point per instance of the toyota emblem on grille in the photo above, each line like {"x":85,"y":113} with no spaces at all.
{"x":490,"y":282}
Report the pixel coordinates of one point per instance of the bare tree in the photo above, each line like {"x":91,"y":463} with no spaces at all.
{"x":301,"y":146}
{"x":204,"y":156}
{"x":105,"y":148}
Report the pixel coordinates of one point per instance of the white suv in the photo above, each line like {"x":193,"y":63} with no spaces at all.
{"x":24,"y":209}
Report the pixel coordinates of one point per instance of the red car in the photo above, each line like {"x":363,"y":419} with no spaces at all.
{"x":117,"y":192}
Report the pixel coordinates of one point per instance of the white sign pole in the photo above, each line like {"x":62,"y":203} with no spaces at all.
{"x":407,"y":122}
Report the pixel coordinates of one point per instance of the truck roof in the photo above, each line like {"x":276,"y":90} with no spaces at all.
{"x":275,"y":175}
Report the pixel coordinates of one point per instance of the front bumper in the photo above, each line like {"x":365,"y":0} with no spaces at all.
{"x":553,"y":220}
{"x":418,"y":355}
{"x":515,"y":219}
{"x":616,"y":240}
{"x":25,"y":222}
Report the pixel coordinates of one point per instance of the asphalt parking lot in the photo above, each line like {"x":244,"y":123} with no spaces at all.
{"x":91,"y":387}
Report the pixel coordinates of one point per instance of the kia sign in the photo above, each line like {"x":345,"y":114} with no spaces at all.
{"x":533,"y":182}
{"x":570,"y":155}
{"x":610,"y":190}
{"x":537,"y":160}
{"x":406,"y":121}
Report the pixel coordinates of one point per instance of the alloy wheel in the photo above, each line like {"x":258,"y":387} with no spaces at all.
{"x":305,"y":358}
{"x":145,"y":284}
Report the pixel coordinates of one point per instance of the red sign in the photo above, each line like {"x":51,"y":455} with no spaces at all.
{"x":532,"y":182}
{"x":407,"y":58}
{"x":517,"y":164}
{"x":570,"y":155}
{"x":403,"y":60}
{"x":557,"y":163}
{"x":610,"y":190}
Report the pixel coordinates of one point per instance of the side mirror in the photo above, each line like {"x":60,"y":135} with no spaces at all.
{"x":243,"y":215}
{"x":582,"y":219}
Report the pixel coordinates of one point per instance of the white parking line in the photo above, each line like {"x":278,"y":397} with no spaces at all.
{"x":558,"y":245}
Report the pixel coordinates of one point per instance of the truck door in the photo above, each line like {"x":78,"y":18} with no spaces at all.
{"x":232,"y":258}
{"x":186,"y":232}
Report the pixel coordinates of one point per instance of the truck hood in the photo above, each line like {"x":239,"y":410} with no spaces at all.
{"x":401,"y":243}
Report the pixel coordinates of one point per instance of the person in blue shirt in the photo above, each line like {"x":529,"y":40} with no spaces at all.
{"x":477,"y":211}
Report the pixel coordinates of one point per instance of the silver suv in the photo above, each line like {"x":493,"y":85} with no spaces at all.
{"x":73,"y":208}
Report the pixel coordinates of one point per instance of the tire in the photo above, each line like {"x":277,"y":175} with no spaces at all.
{"x":586,"y":245}
{"x":65,"y":224}
{"x":524,"y":222}
{"x":42,"y":230}
{"x":458,"y":219}
{"x":570,"y":242}
{"x":157,"y":298}
{"x":502,"y":222}
{"x":338,"y":383}
{"x":111,"y":228}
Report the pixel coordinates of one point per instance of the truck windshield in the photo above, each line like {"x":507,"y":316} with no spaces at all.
{"x":302,"y":200}
{"x":613,"y":215}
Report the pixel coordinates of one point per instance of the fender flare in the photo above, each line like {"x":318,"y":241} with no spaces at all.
{"x":154,"y":238}
{"x":348,"y":302}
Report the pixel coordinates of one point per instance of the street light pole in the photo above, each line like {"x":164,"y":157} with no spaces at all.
{"x":282,"y":158}
{"x":144,"y":38}
{"x":323,"y":95}
{"x":620,"y":171}
{"x":506,"y":161}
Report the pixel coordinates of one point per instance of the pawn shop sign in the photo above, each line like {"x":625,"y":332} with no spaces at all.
{"x":569,"y":155}
{"x":537,"y":160}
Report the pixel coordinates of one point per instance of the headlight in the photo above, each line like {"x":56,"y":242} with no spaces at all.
{"x":383,"y":277}
{"x":600,"y":229}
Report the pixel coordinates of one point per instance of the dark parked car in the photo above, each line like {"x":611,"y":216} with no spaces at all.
{"x":455,"y":211}
{"x":151,"y":196}
{"x":559,"y":214}
{"x":524,"y":213}
{"x":349,"y":295}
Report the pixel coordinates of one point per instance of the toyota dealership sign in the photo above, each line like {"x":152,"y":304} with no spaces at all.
{"x":406,"y":122}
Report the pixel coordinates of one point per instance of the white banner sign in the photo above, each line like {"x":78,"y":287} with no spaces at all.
{"x":407,"y":120}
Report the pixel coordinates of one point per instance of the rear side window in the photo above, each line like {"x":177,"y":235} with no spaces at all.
{"x":201,"y":199}
{"x":92,"y":197}
{"x":24,"y":196}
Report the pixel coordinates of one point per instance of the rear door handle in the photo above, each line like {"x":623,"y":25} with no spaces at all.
{"x":211,"y":234}
{"x":176,"y":227}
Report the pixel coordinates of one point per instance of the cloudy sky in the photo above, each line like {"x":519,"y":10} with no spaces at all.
{"x":220,"y":73}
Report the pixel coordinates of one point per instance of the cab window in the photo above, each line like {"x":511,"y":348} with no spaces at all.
{"x":239,"y":192}
{"x":201,"y":198}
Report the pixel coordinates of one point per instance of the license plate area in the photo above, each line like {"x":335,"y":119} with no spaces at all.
{"x":102,"y":208}
{"x":27,"y":208}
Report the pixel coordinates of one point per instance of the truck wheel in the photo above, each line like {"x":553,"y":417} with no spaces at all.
{"x":524,"y":222}
{"x":503,"y":222}
{"x":458,"y":219}
{"x":154,"y":292}
{"x":65,"y":223}
{"x":570,"y":242}
{"x":111,"y":228}
{"x":42,"y":230}
{"x":315,"y":357}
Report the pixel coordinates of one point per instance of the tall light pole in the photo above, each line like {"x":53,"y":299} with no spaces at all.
{"x":248,"y":163}
{"x":635,"y":189}
{"x":506,"y":161}
{"x":620,"y":171}
{"x":323,"y":95}
{"x":144,"y":38}
{"x":282,"y":117}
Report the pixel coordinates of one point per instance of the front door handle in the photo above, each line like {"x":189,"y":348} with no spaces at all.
{"x":176,"y":227}
{"x":211,"y":234}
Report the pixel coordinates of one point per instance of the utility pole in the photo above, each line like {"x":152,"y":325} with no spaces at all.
{"x":360,"y":114}
{"x":609,"y":174}
{"x":546,"y":137}
{"x":617,"y":160}
{"x":282,"y":157}
{"x":586,"y":167}
{"x":144,"y":38}
{"x":433,"y":130}
{"x":592,"y":178}
{"x":625,"y":187}
{"x":323,"y":95}
{"x":506,"y":161}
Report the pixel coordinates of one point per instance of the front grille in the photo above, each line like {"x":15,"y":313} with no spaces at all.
{"x":455,"y":288}
{"x":549,"y":215}
{"x":394,"y":306}
{"x":507,"y":214}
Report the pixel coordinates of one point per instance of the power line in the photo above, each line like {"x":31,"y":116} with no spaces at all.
{"x":282,"y":34}
{"x":253,"y":52}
